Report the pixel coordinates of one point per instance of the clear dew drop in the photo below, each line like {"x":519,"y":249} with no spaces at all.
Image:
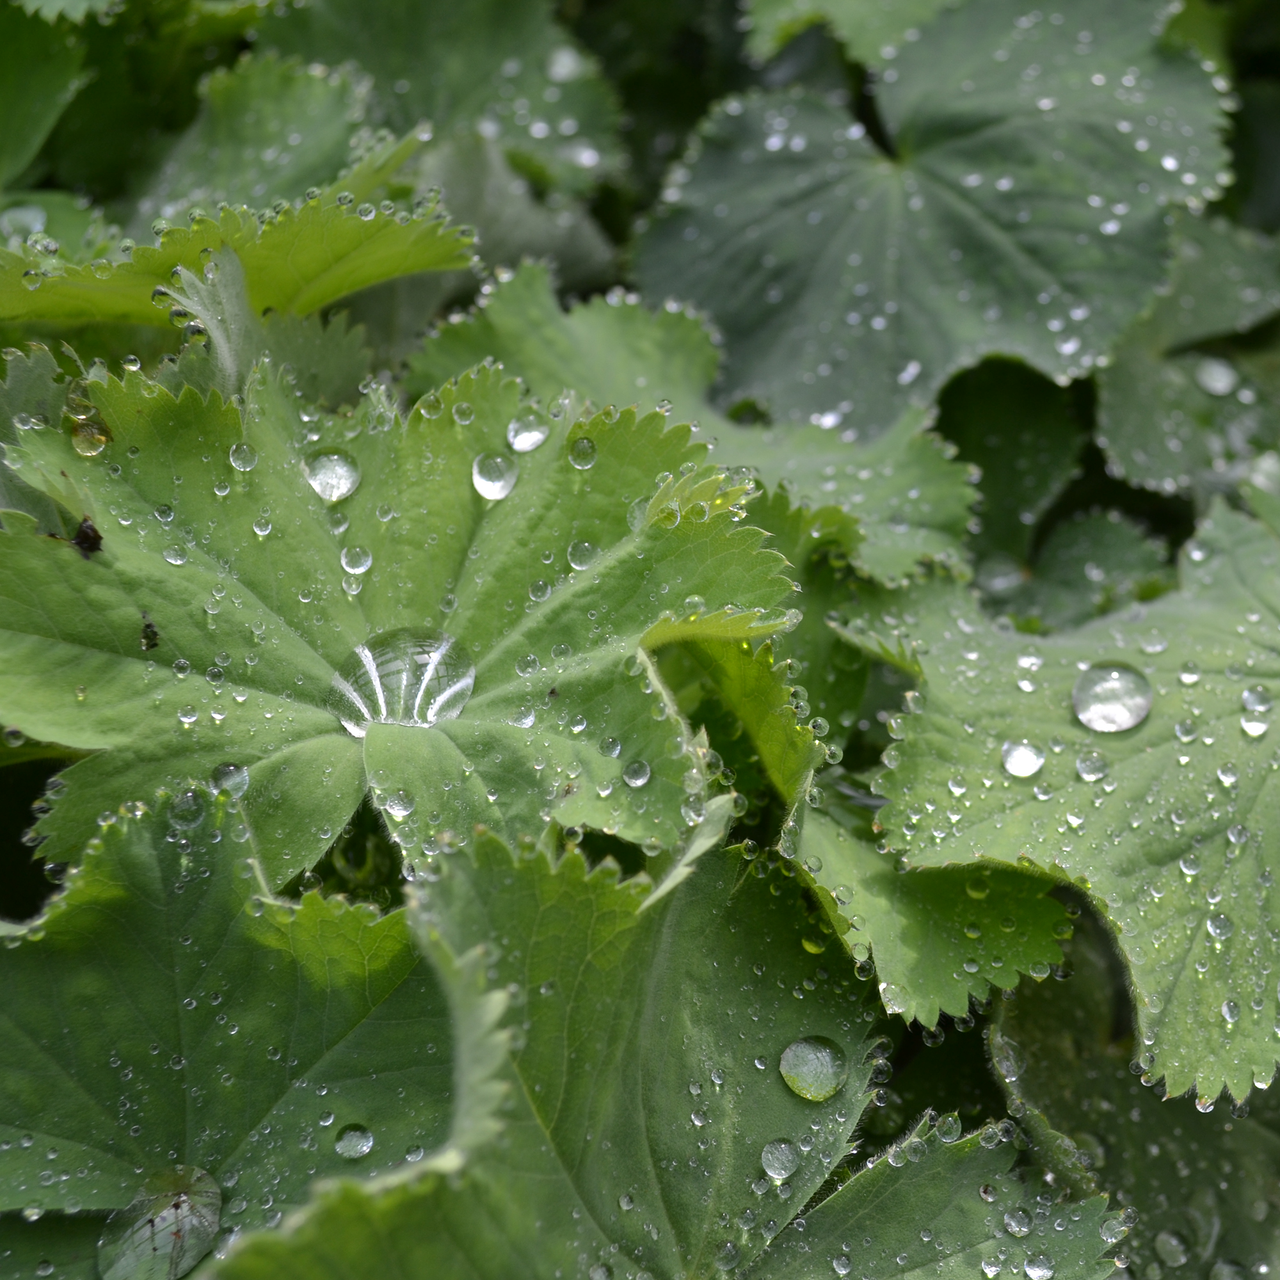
{"x":1017,"y":1222}
{"x":1220,"y":926}
{"x":333,"y":476}
{"x":526,"y":432}
{"x":636,"y":774}
{"x":167,"y":1228}
{"x":231,"y":778}
{"x":356,"y":559}
{"x":408,"y":678}
{"x":949,"y":1128}
{"x":186,"y":809}
{"x":780,"y":1159}
{"x":494,"y":475}
{"x":1038,"y":1268}
{"x":581,"y":554}
{"x":1171,"y":1249}
{"x":353,"y":1142}
{"x":814,"y":1068}
{"x":1217,"y":377}
{"x":1091,"y":766}
{"x":243,"y":456}
{"x":1111,"y":699}
{"x":582,"y":453}
{"x":1021,"y":759}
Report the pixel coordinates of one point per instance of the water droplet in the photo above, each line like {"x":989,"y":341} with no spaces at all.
{"x":333,"y":476}
{"x":231,"y":778}
{"x":186,"y":810}
{"x":1237,"y":834}
{"x":1230,"y":1011}
{"x":814,"y":1068}
{"x":528,"y":666}
{"x":1190,"y":673}
{"x":176,"y":555}
{"x":1256,"y":698}
{"x":244,"y":457}
{"x":167,"y":1228}
{"x":1021,"y":759}
{"x":463,"y":413}
{"x":726,"y":1257}
{"x":581,"y":554}
{"x":1216,"y":376}
{"x":780,"y":1159}
{"x":1228,"y":775}
{"x":409,"y":678}
{"x":399,"y":804}
{"x":1091,"y":766}
{"x":949,"y":1128}
{"x":1186,"y":731}
{"x":1253,"y":726}
{"x":1171,"y":1249}
{"x":494,"y":475}
{"x":582,"y":453}
{"x":1038,"y":1268}
{"x":1220,"y":926}
{"x":636,"y":774}
{"x":527,"y":432}
{"x":1017,"y":1222}
{"x":353,"y":1141}
{"x":1111,"y":699}
{"x":356,"y":559}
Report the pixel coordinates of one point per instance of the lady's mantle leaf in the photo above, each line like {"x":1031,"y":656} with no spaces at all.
{"x":652,"y":1122}
{"x":1167,"y":823}
{"x":910,"y":501}
{"x":163,"y":1013}
{"x":1021,"y":213}
{"x":280,"y":625}
{"x":871,"y":30}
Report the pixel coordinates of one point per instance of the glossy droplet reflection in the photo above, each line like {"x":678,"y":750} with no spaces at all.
{"x":814,"y":1068}
{"x":353,"y":1141}
{"x":402,"y":678}
{"x":1021,"y":759}
{"x":333,"y":476}
{"x":231,"y":778}
{"x":780,"y":1159}
{"x":167,"y":1228}
{"x":494,"y":475}
{"x":527,"y":432}
{"x":1111,"y":699}
{"x":1091,"y":766}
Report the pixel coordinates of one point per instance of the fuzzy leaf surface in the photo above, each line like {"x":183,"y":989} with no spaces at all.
{"x":1171,"y":837}
{"x":641,"y":1110}
{"x":870,"y":30}
{"x":971,"y":239}
{"x":169,"y":655}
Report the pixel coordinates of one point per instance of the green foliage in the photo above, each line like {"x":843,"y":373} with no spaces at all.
{"x":638,"y":640}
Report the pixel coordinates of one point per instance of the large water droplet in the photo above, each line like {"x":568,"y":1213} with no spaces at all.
{"x":526,"y":432}
{"x":186,"y":809}
{"x":244,"y":457}
{"x":1111,"y":699}
{"x":1172,"y":1249}
{"x":814,"y":1068}
{"x":1091,"y":766}
{"x":356,"y":559}
{"x":582,"y":453}
{"x":409,"y":678}
{"x":1021,"y":759}
{"x":353,"y":1141}
{"x":780,"y":1159}
{"x":167,"y":1228}
{"x":1038,"y":1268}
{"x":1216,"y":376}
{"x":1257,"y":698}
{"x":231,"y":778}
{"x":1017,"y":1222}
{"x":494,"y":475}
{"x":333,"y":476}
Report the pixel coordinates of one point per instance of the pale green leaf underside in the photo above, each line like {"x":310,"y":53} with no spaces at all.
{"x":1171,"y":417}
{"x":1150,"y":840}
{"x":937,"y":936}
{"x":548,"y":597}
{"x":161,"y":1007}
{"x":871,"y":30}
{"x":1199,"y":1178}
{"x":641,"y":1110}
{"x":850,"y":282}
{"x":75,"y":10}
{"x":498,"y":53}
{"x":297,"y":261}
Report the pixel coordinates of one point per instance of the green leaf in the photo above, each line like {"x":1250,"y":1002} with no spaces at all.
{"x":299,"y":260}
{"x":1088,"y":565}
{"x":1169,"y":835}
{"x":39,"y":75}
{"x":269,"y":128}
{"x":614,"y":351}
{"x":498,"y":53}
{"x":1195,"y":1183}
{"x":870,"y":29}
{"x":74,"y":10}
{"x":165,"y":1013}
{"x":937,"y":935}
{"x":32,"y":391}
{"x":934,"y":1207}
{"x":646,"y":1082}
{"x":973,"y":238}
{"x":70,"y":1244}
{"x":1026,"y":435}
{"x":1171,"y":416}
{"x":551,"y":600}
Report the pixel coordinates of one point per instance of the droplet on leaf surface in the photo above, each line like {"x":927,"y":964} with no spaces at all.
{"x":167,"y":1228}
{"x":780,"y":1159}
{"x":814,"y":1068}
{"x":1021,"y":759}
{"x":333,"y":476}
{"x":1111,"y":699}
{"x":353,"y":1141}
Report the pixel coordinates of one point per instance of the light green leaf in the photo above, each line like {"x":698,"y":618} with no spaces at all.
{"x":467,"y":66}
{"x":614,"y":351}
{"x":39,"y":75}
{"x":267,"y":129}
{"x":1173,"y":417}
{"x":299,"y":261}
{"x":1198,"y":1185}
{"x":1089,"y":565}
{"x":230,"y":616}
{"x":1165,"y":823}
{"x":937,"y":935}
{"x":74,"y":10}
{"x":871,"y":30}
{"x":646,"y":1083}
{"x":78,"y":229}
{"x":164,"y":1013}
{"x":851,"y":282}
{"x":32,"y":390}
{"x":936,"y":1208}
